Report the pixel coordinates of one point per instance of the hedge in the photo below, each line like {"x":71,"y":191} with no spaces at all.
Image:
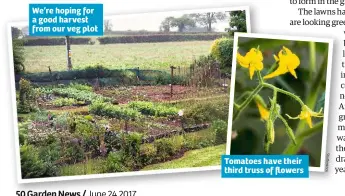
{"x":114,"y":76}
{"x":87,"y":73}
{"x":55,"y":41}
{"x":171,"y":37}
{"x":158,"y":38}
{"x":144,"y":32}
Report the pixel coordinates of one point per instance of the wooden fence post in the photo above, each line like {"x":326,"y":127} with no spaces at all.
{"x":138,"y":74}
{"x":50,"y":74}
{"x":69,"y":54}
{"x":172,"y":80}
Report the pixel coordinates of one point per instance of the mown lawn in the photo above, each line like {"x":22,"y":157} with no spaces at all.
{"x":143,"y":55}
{"x":195,"y":158}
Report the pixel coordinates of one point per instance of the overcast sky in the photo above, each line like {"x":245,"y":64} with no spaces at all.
{"x":152,"y":21}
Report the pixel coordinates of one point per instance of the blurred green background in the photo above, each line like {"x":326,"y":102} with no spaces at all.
{"x":310,"y":87}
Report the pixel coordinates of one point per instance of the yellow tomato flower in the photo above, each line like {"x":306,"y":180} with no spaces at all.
{"x":306,"y":114}
{"x":287,"y":62}
{"x":264,"y":113}
{"x":252,"y":60}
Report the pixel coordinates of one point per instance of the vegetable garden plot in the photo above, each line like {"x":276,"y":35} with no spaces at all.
{"x":78,"y":123}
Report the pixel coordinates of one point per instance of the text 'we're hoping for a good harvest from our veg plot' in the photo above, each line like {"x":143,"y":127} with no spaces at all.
{"x":265,"y":166}
{"x":66,"y":19}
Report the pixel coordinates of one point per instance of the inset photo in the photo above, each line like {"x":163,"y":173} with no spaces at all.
{"x":150,"y":96}
{"x":279,"y":96}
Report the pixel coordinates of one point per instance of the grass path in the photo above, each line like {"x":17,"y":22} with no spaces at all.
{"x":94,"y":166}
{"x":196,"y":99}
{"x":195,"y":158}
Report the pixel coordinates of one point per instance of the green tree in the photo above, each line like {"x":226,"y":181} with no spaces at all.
{"x":18,"y":50}
{"x":166,"y":24}
{"x":16,"y":32}
{"x":18,"y":56}
{"x":221,"y":50}
{"x":183,"y":22}
{"x":209,"y":18}
{"x":237,"y":22}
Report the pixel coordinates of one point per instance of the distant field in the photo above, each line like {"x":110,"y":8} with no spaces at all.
{"x":143,"y":55}
{"x":209,"y":156}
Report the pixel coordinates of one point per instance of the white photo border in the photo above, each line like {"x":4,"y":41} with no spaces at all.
{"x":20,"y":180}
{"x":322,"y":167}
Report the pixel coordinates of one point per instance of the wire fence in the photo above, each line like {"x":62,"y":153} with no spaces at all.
{"x":204,"y":75}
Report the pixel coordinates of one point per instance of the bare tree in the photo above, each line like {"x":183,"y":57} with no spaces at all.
{"x":209,"y":18}
{"x":25,"y":31}
{"x":107,"y":26}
